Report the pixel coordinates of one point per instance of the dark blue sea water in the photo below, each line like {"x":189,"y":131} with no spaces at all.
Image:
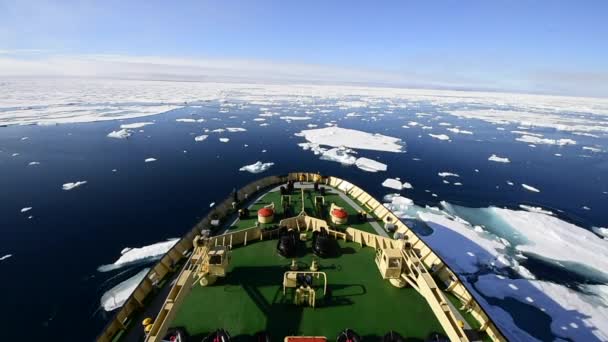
{"x":50,"y":287}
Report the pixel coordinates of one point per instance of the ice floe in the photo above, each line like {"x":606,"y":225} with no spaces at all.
{"x":369,"y":165}
{"x":474,"y":249}
{"x":295,"y":118}
{"x":120,"y":134}
{"x":26,"y":209}
{"x":546,"y":141}
{"x":75,"y":100}
{"x":535,"y":209}
{"x":136,"y":125}
{"x":116,"y":297}
{"x":33,"y":163}
{"x":199,"y":138}
{"x":528,"y":133}
{"x":592,"y":149}
{"x":439,"y":136}
{"x":185,"y":120}
{"x":257,"y":167}
{"x":498,"y":159}
{"x":448,"y":174}
{"x":236,"y":129}
{"x":530,"y":188}
{"x":584,"y":134}
{"x":130,"y":256}
{"x":601,"y":231}
{"x":6,"y":256}
{"x":558,"y":116}
{"x":459,"y":131}
{"x":574,"y":315}
{"x":335,"y":137}
{"x":395,"y":183}
{"x":72,"y":185}
{"x":340,"y":155}
{"x":149,"y":160}
{"x":549,"y":237}
{"x":224,"y":140}
{"x":398,"y":204}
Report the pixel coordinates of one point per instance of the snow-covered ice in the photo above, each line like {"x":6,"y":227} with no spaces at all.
{"x":26,"y":209}
{"x":149,"y":160}
{"x":116,"y":297}
{"x":257,"y":167}
{"x":200,"y":138}
{"x":120,"y":134}
{"x":448,"y":174}
{"x":130,"y":256}
{"x":498,"y":159}
{"x":295,"y":118}
{"x":536,"y":209}
{"x":439,"y":136}
{"x":574,"y":315}
{"x":392,"y":183}
{"x":546,"y":141}
{"x":236,"y":129}
{"x":474,"y":249}
{"x":601,"y":231}
{"x":72,"y":185}
{"x":459,"y":131}
{"x":398,"y":204}
{"x":530,"y":188}
{"x":562,"y":114}
{"x":396,"y":184}
{"x":339,"y":155}
{"x":592,"y":149}
{"x":33,"y":163}
{"x":335,"y":137}
{"x":224,"y":140}
{"x":549,"y":237}
{"x":369,"y":165}
{"x":136,"y":125}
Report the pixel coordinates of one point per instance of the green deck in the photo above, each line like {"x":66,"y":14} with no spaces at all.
{"x":296,"y":199}
{"x":250,"y":298}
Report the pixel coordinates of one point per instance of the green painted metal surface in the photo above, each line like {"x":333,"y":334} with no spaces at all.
{"x":250,"y":298}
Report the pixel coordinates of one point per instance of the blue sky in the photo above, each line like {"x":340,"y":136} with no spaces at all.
{"x":528,"y":46}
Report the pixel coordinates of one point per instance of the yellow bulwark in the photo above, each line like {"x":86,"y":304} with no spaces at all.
{"x":421,"y":265}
